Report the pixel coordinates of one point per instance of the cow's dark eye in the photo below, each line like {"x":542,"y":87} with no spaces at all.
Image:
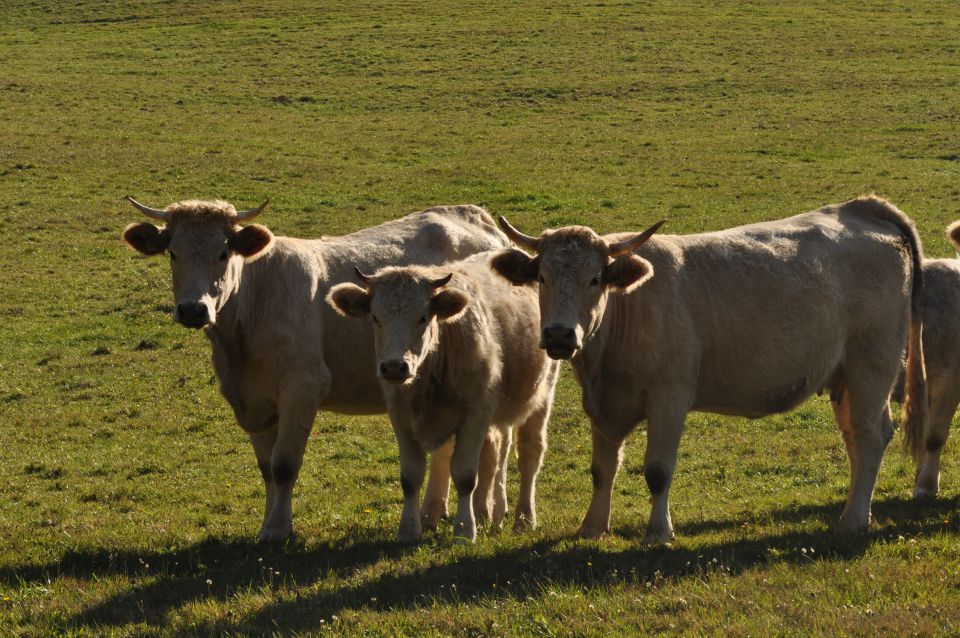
{"x":595,"y":281}
{"x":172,"y":256}
{"x":223,"y":256}
{"x":423,"y":320}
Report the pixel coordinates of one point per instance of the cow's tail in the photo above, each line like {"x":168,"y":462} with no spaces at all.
{"x":915,"y":402}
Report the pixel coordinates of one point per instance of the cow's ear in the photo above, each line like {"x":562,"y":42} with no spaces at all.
{"x":448,"y":304}
{"x":253,"y":241}
{"x":625,"y":273}
{"x":350,"y":300}
{"x":146,"y":238}
{"x":953,"y":234}
{"x":516,"y":266}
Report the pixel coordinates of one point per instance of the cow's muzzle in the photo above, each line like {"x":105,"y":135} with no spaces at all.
{"x":394,"y":370}
{"x":560,"y":342}
{"x":192,"y":314}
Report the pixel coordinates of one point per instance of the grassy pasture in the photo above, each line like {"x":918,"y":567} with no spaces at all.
{"x":129,"y":500}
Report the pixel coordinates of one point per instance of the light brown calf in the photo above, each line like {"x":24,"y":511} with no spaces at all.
{"x":457,"y":357}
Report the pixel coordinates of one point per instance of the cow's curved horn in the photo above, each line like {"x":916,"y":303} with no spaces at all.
{"x":247,"y":215}
{"x":154,"y":213}
{"x":630,"y":245}
{"x":528,"y":242}
{"x":362,"y":277}
{"x":443,"y":281}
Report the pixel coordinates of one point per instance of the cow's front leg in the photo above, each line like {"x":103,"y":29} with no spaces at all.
{"x":413,"y":467}
{"x":665,"y":426}
{"x":434,"y":507}
{"x":603,"y":469}
{"x":263,"y":443}
{"x":463,"y":468}
{"x":296,"y":412}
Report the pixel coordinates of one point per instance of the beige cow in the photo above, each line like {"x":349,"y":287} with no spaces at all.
{"x":457,"y":356}
{"x":941,"y":339}
{"x":280,"y":352}
{"x":747,"y":322}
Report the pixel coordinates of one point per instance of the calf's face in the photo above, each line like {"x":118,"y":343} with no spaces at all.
{"x":207,"y":249}
{"x":576,"y":270}
{"x":405,"y":306}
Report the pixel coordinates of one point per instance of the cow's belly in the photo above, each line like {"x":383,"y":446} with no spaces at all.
{"x":762,"y":387}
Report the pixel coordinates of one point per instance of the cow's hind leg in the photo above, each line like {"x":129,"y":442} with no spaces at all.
{"x":943,"y":403}
{"x":500,"y":479}
{"x":486,"y":477}
{"x":531,"y":447}
{"x":296,"y":410}
{"x":863,"y":416}
{"x":435,"y":497}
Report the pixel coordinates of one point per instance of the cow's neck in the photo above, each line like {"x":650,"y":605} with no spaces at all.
{"x":236,"y":316}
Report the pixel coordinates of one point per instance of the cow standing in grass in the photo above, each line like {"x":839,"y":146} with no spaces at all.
{"x":941,"y":341}
{"x":457,"y":355}
{"x":747,"y":322}
{"x":280,"y":352}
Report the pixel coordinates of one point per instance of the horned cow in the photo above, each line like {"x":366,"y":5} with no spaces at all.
{"x":279,"y":351}
{"x":457,"y":356}
{"x":747,"y":321}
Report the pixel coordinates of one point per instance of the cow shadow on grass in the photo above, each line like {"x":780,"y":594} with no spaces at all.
{"x":895,"y":511}
{"x":165,"y":580}
{"x":519,"y":572}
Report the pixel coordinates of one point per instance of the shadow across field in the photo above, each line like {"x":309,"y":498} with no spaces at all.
{"x":180,"y":576}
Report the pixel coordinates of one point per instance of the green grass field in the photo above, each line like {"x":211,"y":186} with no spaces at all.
{"x":129,"y":498}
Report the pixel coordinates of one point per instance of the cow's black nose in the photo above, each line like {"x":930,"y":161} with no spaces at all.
{"x":394,"y":370}
{"x":560,"y":342}
{"x":193,"y":314}
{"x":559,"y":335}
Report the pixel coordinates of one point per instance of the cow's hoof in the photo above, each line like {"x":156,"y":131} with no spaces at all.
{"x":430,"y":522}
{"x":408,"y":537}
{"x":523,"y":524}
{"x":657,"y":539}
{"x":268,"y":535}
{"x":591,"y":532}
{"x":409,"y":533}
{"x":923,"y":493}
{"x":851,"y":525}
{"x":465,"y":533}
